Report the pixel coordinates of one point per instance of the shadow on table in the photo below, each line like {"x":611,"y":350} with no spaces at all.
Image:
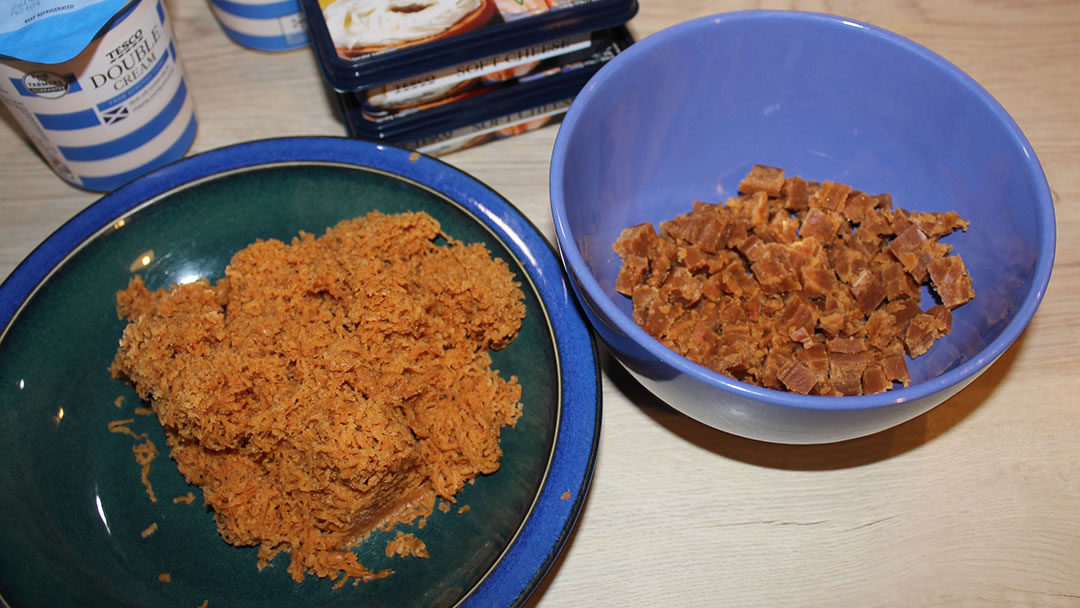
{"x":845,"y":454}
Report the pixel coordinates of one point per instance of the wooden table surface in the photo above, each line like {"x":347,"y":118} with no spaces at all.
{"x":974,"y":503}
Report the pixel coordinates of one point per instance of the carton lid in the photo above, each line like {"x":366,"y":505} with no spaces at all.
{"x":54,"y":31}
{"x":365,"y":43}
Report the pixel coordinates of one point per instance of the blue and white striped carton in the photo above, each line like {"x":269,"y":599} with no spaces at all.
{"x":116,"y":110}
{"x":263,"y":25}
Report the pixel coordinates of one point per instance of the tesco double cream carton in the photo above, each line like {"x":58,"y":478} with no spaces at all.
{"x":97,"y":86}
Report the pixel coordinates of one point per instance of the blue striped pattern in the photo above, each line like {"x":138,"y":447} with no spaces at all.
{"x":267,"y":43}
{"x":18,"y":84}
{"x":175,"y":151}
{"x":132,"y":140}
{"x":69,"y":121}
{"x":164,"y":138}
{"x":259,"y":11}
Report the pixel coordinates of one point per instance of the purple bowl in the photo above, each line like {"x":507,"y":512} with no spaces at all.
{"x":685,"y":113}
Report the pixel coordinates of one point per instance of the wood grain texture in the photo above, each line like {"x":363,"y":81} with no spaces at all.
{"x":974,"y":503}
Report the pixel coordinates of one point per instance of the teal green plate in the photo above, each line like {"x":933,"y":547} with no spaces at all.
{"x":71,"y":499}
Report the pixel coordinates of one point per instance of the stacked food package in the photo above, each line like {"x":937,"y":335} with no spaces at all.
{"x":443,"y":75}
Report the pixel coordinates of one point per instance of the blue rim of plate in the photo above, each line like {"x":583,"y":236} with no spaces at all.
{"x":532,"y":551}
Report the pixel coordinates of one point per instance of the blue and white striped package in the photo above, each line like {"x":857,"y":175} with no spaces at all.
{"x":97,"y":87}
{"x":263,"y":25}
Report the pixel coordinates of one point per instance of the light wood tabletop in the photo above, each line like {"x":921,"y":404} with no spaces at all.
{"x":975,"y":503}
